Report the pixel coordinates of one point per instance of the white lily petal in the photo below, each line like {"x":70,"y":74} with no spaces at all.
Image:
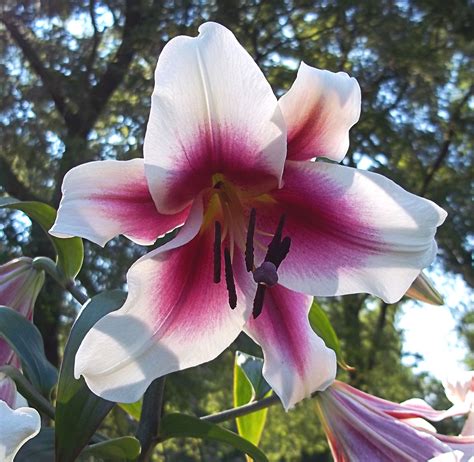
{"x":319,"y":109}
{"x":351,"y":231}
{"x":16,"y":428}
{"x":106,"y":198}
{"x":212,"y":112}
{"x":174,"y":318}
{"x":459,"y":387}
{"x":454,"y":456}
{"x":297,"y":362}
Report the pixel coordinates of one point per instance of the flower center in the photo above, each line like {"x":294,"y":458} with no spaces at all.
{"x":225,"y":208}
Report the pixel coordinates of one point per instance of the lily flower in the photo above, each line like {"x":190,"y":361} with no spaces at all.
{"x":362,"y":427}
{"x":264,"y":229}
{"x":20,"y":284}
{"x":459,"y":389}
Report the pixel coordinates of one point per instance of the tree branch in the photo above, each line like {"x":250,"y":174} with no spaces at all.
{"x":448,"y":139}
{"x":95,"y":40}
{"x":135,"y":14}
{"x":12,"y":185}
{"x":49,"y":79}
{"x":377,"y":336}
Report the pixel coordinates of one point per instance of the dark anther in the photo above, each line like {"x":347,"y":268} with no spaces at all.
{"x":249,"y":244}
{"x":229,"y":279}
{"x":282,"y":251}
{"x":218,"y":185}
{"x":275,"y":243}
{"x":258,"y":301}
{"x":217,"y":252}
{"x":266,"y":274}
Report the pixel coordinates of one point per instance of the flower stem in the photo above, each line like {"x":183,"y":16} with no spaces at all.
{"x":149,"y":425}
{"x":28,"y":391}
{"x":48,"y":265}
{"x":241,"y":410}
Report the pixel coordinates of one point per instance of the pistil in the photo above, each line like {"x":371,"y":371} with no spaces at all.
{"x":266,"y":274}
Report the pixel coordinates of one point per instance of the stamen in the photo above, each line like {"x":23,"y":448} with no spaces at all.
{"x":217,"y":251}
{"x":283,"y":251}
{"x":258,"y":301}
{"x":229,"y":279}
{"x":266,"y":274}
{"x":249,"y":250}
{"x":274,"y":246}
{"x":276,"y":241}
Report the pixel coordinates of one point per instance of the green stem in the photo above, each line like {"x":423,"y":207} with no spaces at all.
{"x":48,"y":265}
{"x":149,"y":425}
{"x":241,"y":410}
{"x":28,"y":391}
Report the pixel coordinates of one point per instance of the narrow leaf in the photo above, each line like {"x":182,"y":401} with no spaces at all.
{"x":70,"y":251}
{"x":132,"y":409}
{"x":25,"y":339}
{"x":78,"y":411}
{"x":249,"y":426}
{"x":322,"y":326}
{"x":38,"y":449}
{"x":252,"y":367}
{"x":126,"y":448}
{"x":186,"y":426}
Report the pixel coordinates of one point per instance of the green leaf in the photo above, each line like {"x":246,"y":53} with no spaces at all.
{"x":252,"y":367}
{"x":133,"y":409}
{"x":251,"y":425}
{"x":41,"y":449}
{"x":25,"y":339}
{"x":69,"y":251}
{"x":78,"y":411}
{"x":117,"y":450}
{"x":38,"y":449}
{"x":186,"y":426}
{"x":322,"y":326}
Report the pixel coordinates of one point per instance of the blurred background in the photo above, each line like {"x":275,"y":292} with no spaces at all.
{"x":75,"y":83}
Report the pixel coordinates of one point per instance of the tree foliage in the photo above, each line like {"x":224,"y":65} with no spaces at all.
{"x":76,"y":83}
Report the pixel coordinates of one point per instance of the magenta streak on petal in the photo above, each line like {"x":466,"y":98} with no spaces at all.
{"x":359,"y":430}
{"x":326,"y":229}
{"x":7,"y":391}
{"x":190,"y":303}
{"x":228,"y":151}
{"x":303,"y":139}
{"x":10,"y":290}
{"x":133,"y":207}
{"x":400,"y":411}
{"x":6,"y":353}
{"x":281,"y":326}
